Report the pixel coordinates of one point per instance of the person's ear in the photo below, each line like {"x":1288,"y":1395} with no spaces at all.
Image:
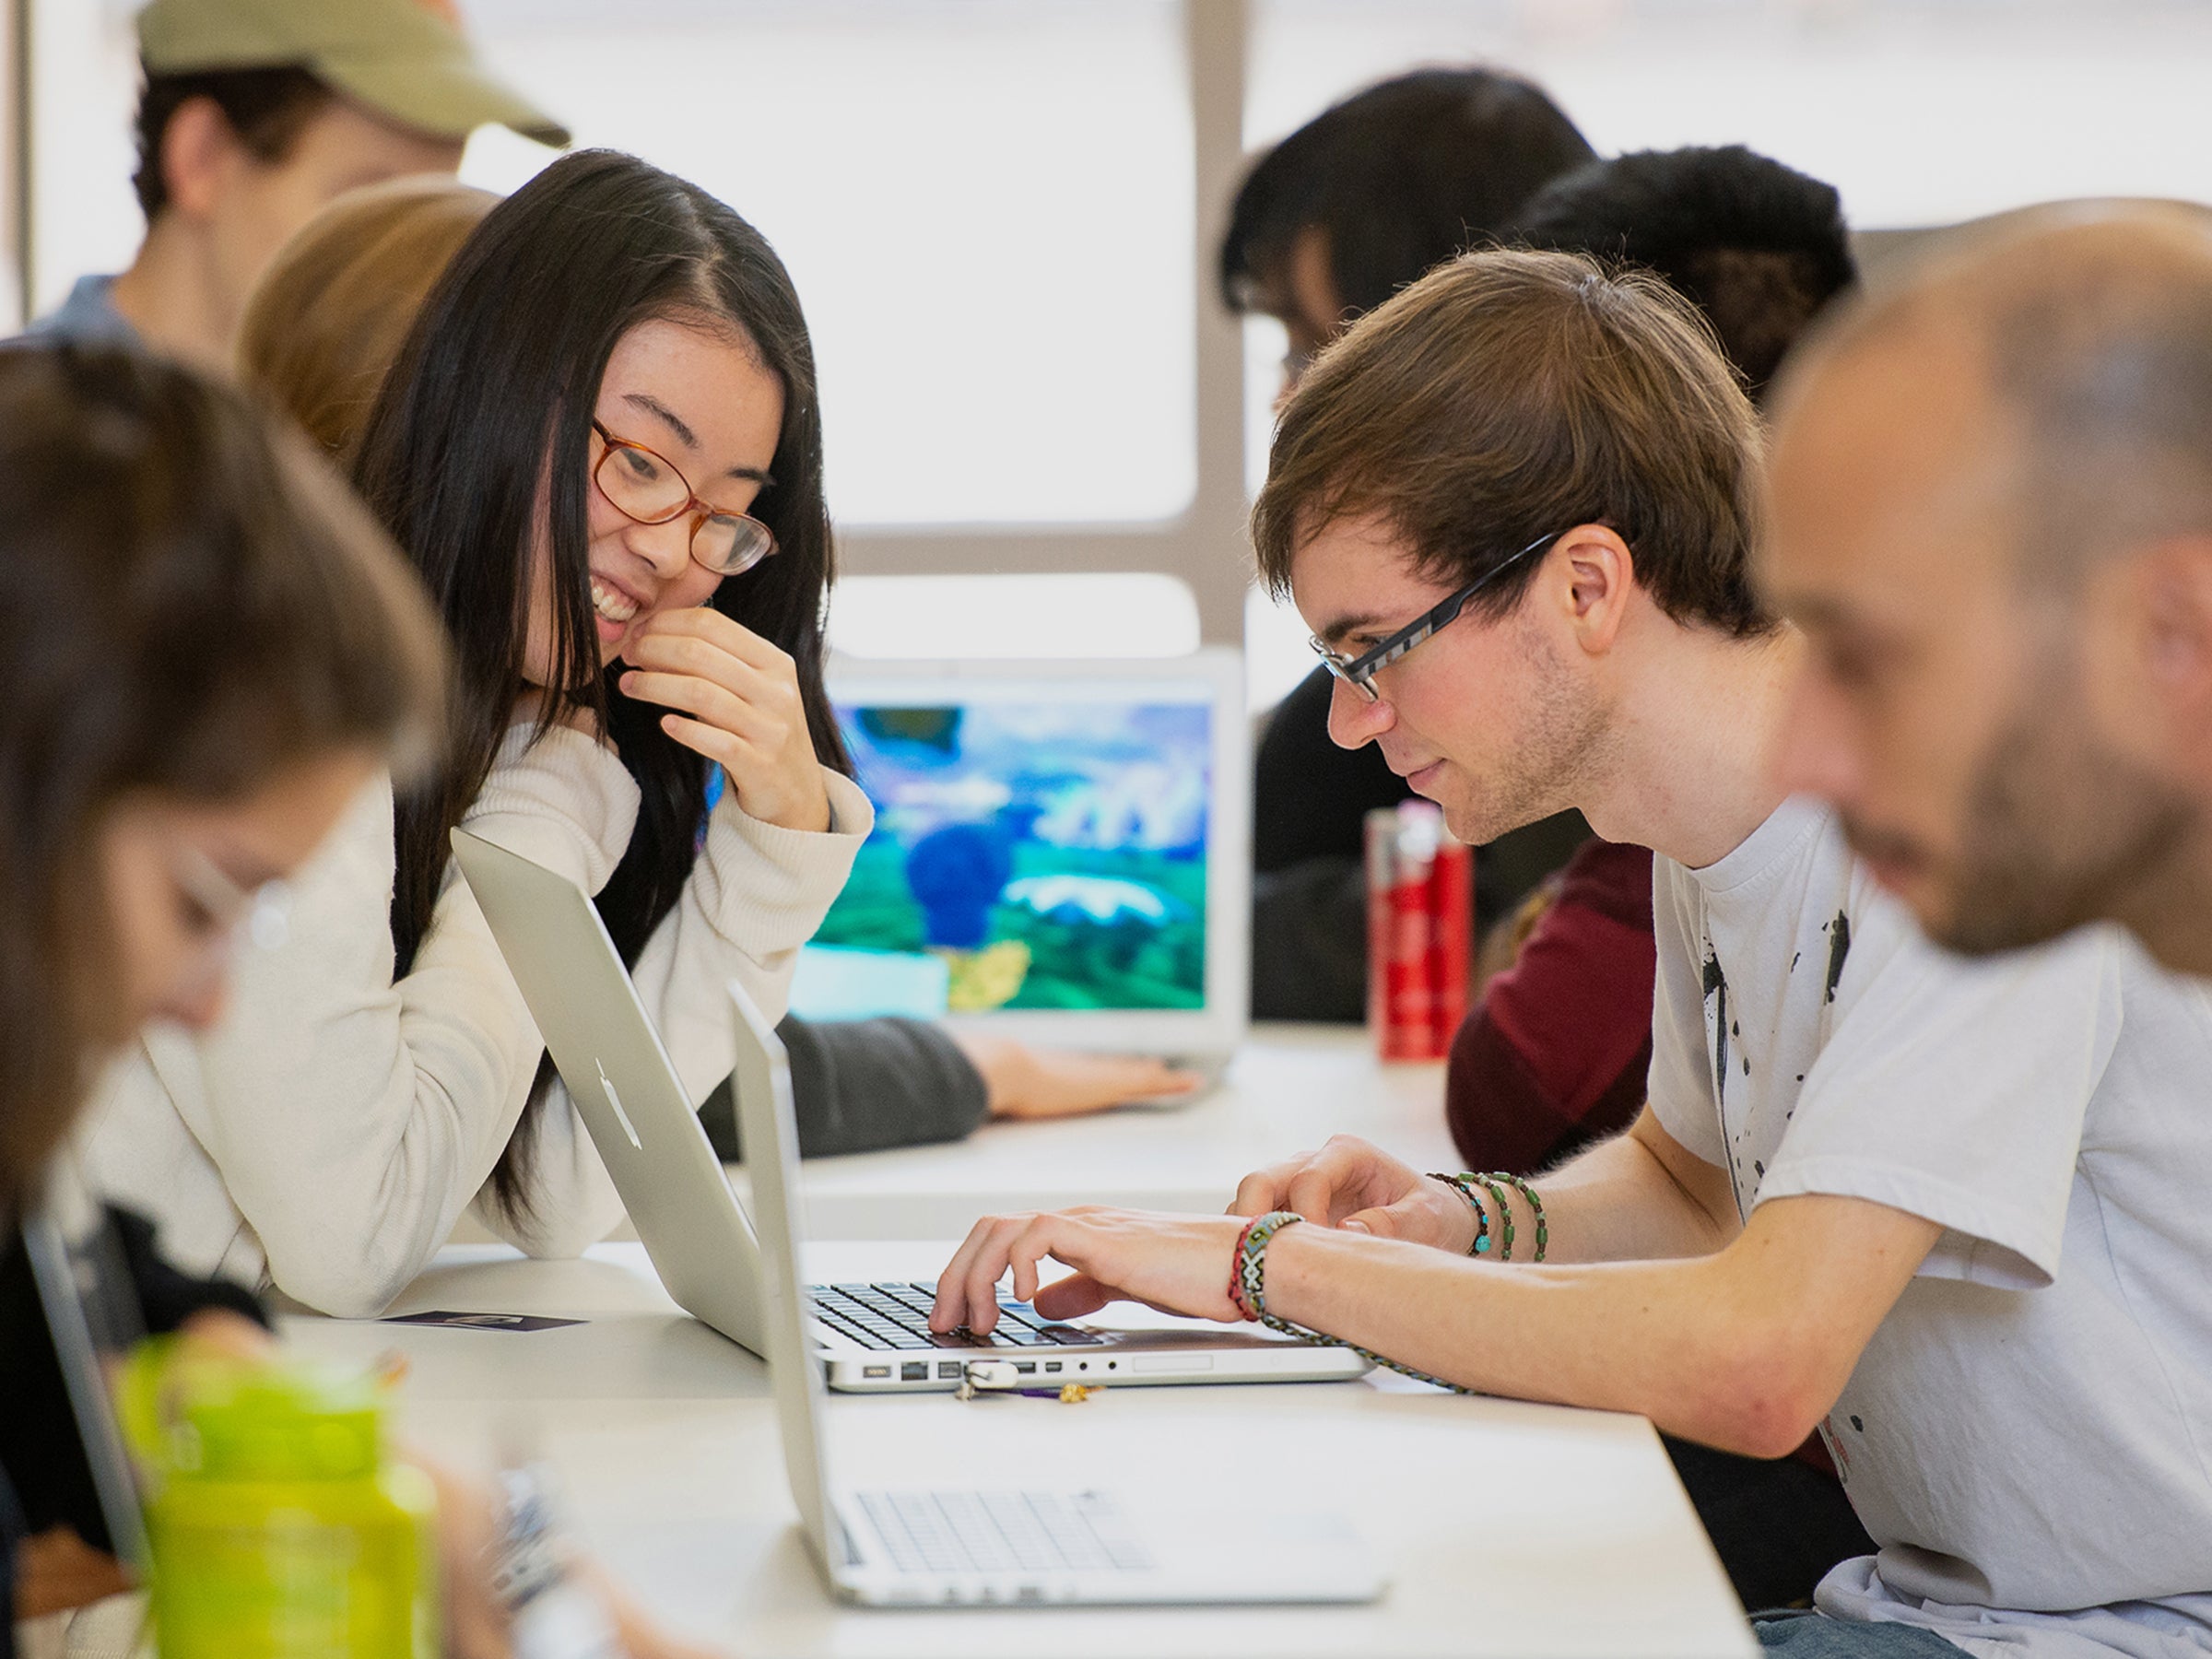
{"x":1592,"y":575}
{"x":200,"y":154}
{"x":2171,"y":597}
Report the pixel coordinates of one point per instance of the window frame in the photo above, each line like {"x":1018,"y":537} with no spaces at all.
{"x":1205,"y":545}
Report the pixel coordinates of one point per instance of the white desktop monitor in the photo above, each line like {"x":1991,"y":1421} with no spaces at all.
{"x":1062,"y":852}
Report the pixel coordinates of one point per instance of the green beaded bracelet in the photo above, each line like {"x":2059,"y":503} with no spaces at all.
{"x":1535,"y":1207}
{"x":1459,"y":1185}
{"x":1505,"y":1214}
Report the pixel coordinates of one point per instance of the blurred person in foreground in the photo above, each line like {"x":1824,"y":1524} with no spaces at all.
{"x":252,"y":115}
{"x":149,"y":513}
{"x":1327,"y":225}
{"x":1992,"y":500}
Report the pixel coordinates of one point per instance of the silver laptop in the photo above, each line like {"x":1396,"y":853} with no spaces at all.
{"x":870,"y":1337}
{"x":1061,"y":854}
{"x":956,"y":1541}
{"x":91,"y":1313}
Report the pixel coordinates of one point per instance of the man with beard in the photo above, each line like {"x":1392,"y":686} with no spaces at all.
{"x":1993,"y":511}
{"x":1939,"y":1209}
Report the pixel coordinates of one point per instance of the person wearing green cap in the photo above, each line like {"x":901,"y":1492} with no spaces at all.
{"x":257,"y":112}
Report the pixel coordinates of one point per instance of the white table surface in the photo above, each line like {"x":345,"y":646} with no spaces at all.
{"x":1287,"y":1089}
{"x":1507,"y":1528}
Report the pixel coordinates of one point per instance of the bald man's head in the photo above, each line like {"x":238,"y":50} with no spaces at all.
{"x":1992,"y":513}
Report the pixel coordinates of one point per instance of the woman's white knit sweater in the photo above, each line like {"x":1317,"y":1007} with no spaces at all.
{"x":327,"y":1135}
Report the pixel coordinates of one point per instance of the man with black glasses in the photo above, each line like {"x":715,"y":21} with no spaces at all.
{"x":1875,"y":1189}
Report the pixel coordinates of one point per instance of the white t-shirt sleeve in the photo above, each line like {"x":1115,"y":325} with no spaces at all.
{"x":1955,"y":1090}
{"x":1680,"y":1087}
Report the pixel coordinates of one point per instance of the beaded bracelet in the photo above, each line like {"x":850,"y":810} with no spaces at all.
{"x":1505,"y":1214}
{"x":1459,"y":1185}
{"x":1251,"y":1294}
{"x":1536,"y":1207}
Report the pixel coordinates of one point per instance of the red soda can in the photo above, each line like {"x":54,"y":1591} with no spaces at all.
{"x":1409,"y":982}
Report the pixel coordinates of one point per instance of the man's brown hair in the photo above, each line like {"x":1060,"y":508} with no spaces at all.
{"x":1510,"y":395}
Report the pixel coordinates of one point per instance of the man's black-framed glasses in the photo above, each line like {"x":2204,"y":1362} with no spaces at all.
{"x":1360,"y":672}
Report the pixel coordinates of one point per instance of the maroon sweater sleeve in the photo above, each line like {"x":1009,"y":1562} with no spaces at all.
{"x":1555,"y":1055}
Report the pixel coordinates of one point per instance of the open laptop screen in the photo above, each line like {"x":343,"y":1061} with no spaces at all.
{"x":1040,"y":844}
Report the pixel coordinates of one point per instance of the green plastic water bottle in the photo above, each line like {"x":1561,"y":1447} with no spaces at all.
{"x":280,"y":1527}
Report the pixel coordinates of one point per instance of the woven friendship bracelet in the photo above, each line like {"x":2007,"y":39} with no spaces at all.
{"x":1236,"y":1269}
{"x":1252,"y":1260}
{"x":1252,"y":1274}
{"x":1460,"y":1185}
{"x":1535,"y":1207}
{"x":1505,"y":1214}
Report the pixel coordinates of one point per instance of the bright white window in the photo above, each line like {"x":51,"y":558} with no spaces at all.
{"x":1277,"y":652}
{"x":987,"y":207}
{"x":1097,"y":613}
{"x":1266,"y":341}
{"x":85,"y":59}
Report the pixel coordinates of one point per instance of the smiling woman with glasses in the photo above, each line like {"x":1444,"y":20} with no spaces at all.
{"x":601,"y":448}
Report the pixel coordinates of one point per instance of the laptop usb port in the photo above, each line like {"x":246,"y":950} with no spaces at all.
{"x":875,"y":1373}
{"x":1028,"y":1367}
{"x":949,"y":1371}
{"x":914,"y":1371}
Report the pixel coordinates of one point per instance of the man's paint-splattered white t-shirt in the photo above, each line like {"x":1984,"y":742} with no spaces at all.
{"x":2028,"y":1436}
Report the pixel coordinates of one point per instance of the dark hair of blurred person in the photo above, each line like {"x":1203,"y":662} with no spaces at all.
{"x":1375,"y":190}
{"x":198,"y":611}
{"x":213,"y":648}
{"x":1759,"y":247}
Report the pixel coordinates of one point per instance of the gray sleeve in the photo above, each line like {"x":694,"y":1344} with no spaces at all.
{"x":859,"y":1084}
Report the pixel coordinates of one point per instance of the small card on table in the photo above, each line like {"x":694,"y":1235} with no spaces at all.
{"x":484,"y":1322}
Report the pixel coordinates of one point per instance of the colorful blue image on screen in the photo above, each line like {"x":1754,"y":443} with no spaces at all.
{"x":1050,"y":856}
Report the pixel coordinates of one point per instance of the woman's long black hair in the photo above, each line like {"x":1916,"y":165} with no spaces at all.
{"x":492,"y":400}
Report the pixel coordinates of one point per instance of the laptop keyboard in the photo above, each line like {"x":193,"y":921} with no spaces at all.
{"x":897,"y":1316}
{"x":1004,"y":1532}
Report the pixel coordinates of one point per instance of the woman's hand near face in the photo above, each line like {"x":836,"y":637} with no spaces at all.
{"x":1176,"y":1263}
{"x":739,"y":706}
